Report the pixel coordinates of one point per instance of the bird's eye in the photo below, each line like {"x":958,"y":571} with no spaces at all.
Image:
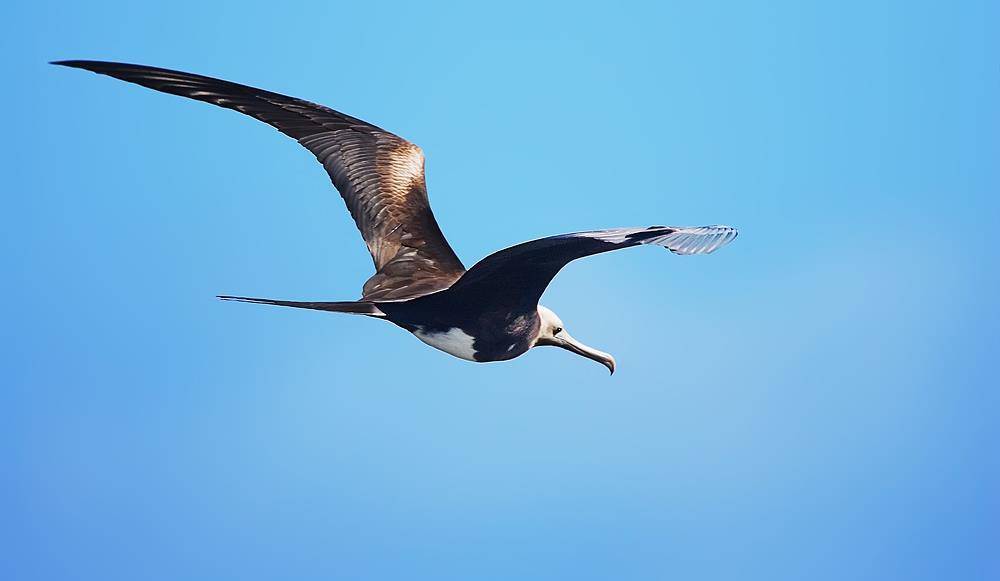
{"x":557,"y":330}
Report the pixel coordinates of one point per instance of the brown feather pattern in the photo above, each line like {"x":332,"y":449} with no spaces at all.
{"x":379,"y":175}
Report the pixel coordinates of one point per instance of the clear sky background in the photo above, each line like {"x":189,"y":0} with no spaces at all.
{"x":816,"y":401}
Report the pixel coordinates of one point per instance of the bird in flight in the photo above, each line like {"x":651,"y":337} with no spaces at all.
{"x":489,"y":312}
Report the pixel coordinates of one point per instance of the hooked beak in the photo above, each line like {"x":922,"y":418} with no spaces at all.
{"x":566,"y":341}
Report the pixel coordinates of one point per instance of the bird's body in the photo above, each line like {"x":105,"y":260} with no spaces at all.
{"x":487,"y":313}
{"x":446,"y":321}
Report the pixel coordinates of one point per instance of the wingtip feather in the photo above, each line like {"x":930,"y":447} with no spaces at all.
{"x":700,"y":240}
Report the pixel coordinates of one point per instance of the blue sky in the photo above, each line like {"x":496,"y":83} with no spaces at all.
{"x":815,"y":401}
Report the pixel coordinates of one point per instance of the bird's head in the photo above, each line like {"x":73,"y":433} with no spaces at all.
{"x":551,"y":331}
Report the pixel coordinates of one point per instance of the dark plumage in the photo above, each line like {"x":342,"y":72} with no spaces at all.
{"x":491,"y":312}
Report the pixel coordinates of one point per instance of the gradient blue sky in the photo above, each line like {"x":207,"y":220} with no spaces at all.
{"x":817,"y":401}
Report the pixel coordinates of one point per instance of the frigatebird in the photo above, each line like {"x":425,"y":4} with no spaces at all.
{"x":489,"y":312}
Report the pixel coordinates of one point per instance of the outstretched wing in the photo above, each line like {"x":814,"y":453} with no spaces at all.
{"x":379,"y":175}
{"x":517,"y":276}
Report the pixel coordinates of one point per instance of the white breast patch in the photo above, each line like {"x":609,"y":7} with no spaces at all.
{"x":454,"y":342}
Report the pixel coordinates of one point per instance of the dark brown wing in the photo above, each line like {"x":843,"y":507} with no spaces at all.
{"x":379,"y":175}
{"x":516,"y":277}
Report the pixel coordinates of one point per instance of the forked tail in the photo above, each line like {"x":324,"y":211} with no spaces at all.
{"x":351,"y":307}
